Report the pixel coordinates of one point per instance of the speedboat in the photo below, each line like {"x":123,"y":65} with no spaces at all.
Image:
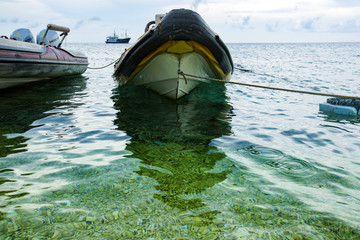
{"x":177,"y":52}
{"x":22,"y":60}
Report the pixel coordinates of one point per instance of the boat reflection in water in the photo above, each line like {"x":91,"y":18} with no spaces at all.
{"x":172,"y":139}
{"x":33,"y":102}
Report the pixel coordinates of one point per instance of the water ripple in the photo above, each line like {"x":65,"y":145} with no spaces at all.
{"x":303,"y":137}
{"x":283,"y":164}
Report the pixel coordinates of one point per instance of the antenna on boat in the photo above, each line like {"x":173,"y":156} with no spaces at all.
{"x":54,"y":27}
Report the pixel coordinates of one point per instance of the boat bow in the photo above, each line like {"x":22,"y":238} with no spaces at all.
{"x":180,"y":42}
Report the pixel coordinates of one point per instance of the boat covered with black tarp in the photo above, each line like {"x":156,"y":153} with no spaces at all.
{"x":177,"y":52}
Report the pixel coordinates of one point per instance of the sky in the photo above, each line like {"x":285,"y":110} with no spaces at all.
{"x":236,"y":21}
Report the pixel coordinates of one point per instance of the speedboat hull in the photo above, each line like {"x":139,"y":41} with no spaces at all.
{"x":167,"y":81}
{"x":174,"y":57}
{"x":23,"y":62}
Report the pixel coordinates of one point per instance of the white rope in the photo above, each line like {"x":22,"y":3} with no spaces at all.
{"x":268,"y":87}
{"x":103,"y":66}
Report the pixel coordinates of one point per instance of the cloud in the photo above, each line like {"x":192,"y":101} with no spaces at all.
{"x":34,"y":25}
{"x":25,"y":9}
{"x":15,"y":20}
{"x":346,"y":3}
{"x":229,"y":18}
{"x":95,"y":19}
{"x":350,"y":26}
{"x":196,"y":3}
{"x":272,"y":27}
{"x":242,"y":23}
{"x":79,"y":24}
{"x":294,"y":25}
{"x":83,"y":22}
{"x":246,"y":21}
{"x":309,"y":24}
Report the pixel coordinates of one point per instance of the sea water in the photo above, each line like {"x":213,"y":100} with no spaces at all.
{"x":81,"y":158}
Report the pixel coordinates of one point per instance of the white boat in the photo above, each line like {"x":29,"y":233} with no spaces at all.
{"x":22,"y":62}
{"x":168,"y":56}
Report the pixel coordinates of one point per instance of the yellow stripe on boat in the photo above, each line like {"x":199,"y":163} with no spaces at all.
{"x":181,"y":47}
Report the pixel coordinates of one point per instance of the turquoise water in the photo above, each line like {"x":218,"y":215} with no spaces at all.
{"x":82,"y":159}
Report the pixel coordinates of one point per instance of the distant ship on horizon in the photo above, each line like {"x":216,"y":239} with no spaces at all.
{"x":115,"y":39}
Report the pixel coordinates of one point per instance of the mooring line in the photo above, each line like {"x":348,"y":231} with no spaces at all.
{"x":243,"y":69}
{"x":103,"y":66}
{"x":271,"y":88}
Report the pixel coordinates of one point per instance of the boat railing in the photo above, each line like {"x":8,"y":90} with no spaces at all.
{"x":54,"y":27}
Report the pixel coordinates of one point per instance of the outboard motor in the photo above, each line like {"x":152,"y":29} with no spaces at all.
{"x":52,"y":38}
{"x":23,"y":34}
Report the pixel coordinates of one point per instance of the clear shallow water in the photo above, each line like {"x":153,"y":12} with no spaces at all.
{"x":81,"y":159}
